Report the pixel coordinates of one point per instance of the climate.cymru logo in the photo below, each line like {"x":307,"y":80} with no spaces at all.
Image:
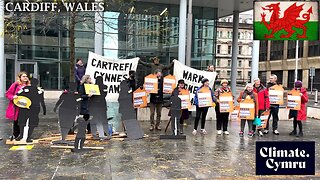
{"x":285,"y":158}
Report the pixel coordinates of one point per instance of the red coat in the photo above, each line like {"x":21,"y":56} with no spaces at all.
{"x":12,"y":110}
{"x":263,"y":97}
{"x":302,"y":113}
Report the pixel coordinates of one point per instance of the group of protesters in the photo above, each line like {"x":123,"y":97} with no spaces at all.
{"x":255,"y":91}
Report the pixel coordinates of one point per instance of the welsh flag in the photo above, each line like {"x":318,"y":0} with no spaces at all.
{"x":286,"y":20}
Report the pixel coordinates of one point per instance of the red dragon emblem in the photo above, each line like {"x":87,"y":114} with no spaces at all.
{"x":289,"y":20}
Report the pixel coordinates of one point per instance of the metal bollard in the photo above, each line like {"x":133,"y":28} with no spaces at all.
{"x":316,"y":96}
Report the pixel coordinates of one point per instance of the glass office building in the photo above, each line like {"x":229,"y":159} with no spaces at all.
{"x":141,"y":29}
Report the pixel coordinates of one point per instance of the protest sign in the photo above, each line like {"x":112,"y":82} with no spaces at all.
{"x":226,"y":102}
{"x":169,"y":83}
{"x":113,"y":72}
{"x":184,"y":95}
{"x":247,"y":109}
{"x":92,"y":89}
{"x":276,"y":94}
{"x":294,"y":100}
{"x":205,"y":97}
{"x":151,"y":84}
{"x":192,"y":77}
{"x":139,"y":98}
{"x":264,"y":119}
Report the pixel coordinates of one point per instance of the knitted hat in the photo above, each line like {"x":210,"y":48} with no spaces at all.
{"x":181,"y":81}
{"x":224,"y":81}
{"x":298,"y":84}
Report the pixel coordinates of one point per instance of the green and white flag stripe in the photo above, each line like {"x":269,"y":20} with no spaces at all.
{"x":312,"y":26}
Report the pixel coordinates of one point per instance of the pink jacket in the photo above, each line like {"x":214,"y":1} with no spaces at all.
{"x":12,"y":111}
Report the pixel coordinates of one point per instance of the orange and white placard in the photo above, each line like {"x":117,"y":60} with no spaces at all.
{"x":264,"y":120}
{"x":169,"y":83}
{"x":276,"y":94}
{"x":247,"y":109}
{"x":226,"y":102}
{"x":184,"y":95}
{"x":294,"y":100}
{"x":139,"y":98}
{"x":234,"y":116}
{"x":205,"y":97}
{"x":151,"y":84}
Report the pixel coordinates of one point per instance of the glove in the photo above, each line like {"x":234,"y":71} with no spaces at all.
{"x":44,"y":112}
{"x":54,"y":109}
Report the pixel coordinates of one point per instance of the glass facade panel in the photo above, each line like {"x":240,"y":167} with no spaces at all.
{"x":150,"y":29}
{"x":138,"y":29}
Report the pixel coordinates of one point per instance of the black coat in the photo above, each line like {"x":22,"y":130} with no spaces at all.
{"x":84,"y":105}
{"x":158,"y":98}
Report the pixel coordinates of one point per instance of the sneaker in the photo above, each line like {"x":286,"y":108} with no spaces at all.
{"x":276,"y":132}
{"x":226,"y":132}
{"x":151,"y":128}
{"x":194,"y":132}
{"x":250,"y":134}
{"x":260,"y":133}
{"x":265,"y":132}
{"x":219,"y":132}
{"x":203,"y":131}
{"x":300,"y":134}
{"x":293,"y":133}
{"x":158,"y":128}
{"x":29,"y":140}
{"x":241,"y":133}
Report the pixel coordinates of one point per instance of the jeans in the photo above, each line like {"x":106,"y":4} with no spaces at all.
{"x":200,"y":111}
{"x":274,"y":111}
{"x":158,"y":108}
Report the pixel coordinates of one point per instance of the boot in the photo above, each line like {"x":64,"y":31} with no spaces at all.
{"x":300,"y":134}
{"x":21,"y":134}
{"x":181,"y":128}
{"x":293,"y":133}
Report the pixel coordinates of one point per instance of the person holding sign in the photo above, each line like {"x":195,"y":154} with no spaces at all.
{"x":299,"y":115}
{"x":156,"y":101}
{"x":248,"y":94}
{"x":84,"y":104}
{"x":12,"y":110}
{"x":223,"y":107}
{"x":263,"y":99}
{"x":184,"y":111}
{"x":203,"y":99}
{"x":274,"y":108}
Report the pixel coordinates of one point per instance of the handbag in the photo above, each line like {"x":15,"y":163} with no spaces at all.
{"x":257,"y":121}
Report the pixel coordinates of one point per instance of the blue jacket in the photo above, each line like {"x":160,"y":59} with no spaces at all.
{"x":196,"y":96}
{"x":79,"y":72}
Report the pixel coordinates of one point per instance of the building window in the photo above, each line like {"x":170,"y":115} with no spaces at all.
{"x":276,"y":50}
{"x":228,"y":73}
{"x":250,"y":50}
{"x":239,"y":74}
{"x":229,"y":49}
{"x":218,"y":49}
{"x":229,"y":63}
{"x":240,"y":49}
{"x":218,"y":63}
{"x":250,"y":64}
{"x":239,"y":35}
{"x":240,"y":63}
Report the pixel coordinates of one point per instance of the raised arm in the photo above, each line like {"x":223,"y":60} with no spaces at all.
{"x":145,"y":63}
{"x":170,"y":66}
